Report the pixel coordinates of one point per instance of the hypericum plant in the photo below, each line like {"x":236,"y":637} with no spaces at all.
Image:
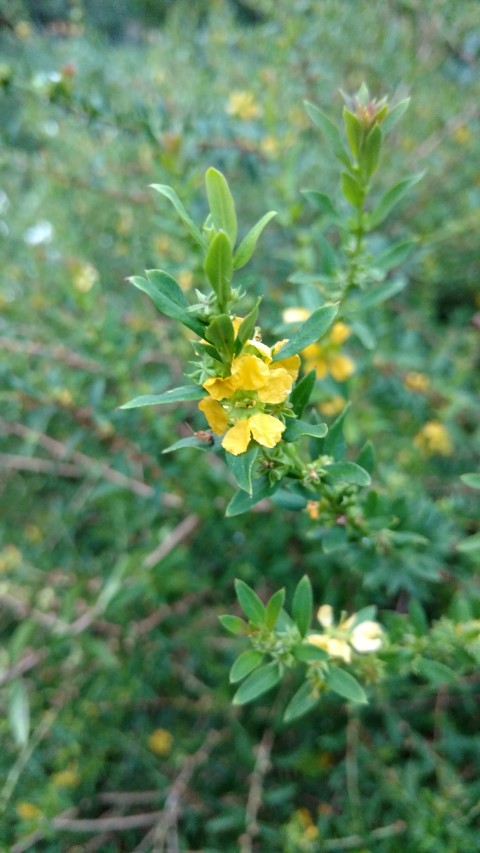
{"x":255,"y":400}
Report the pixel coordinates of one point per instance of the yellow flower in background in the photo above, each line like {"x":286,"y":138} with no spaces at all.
{"x":160,"y":742}
{"x":85,"y":277}
{"x":65,"y":779}
{"x":243,"y":105}
{"x":324,"y":357}
{"x":28,"y":811}
{"x":333,"y":406}
{"x":433,"y":439}
{"x":339,"y":640}
{"x":415,"y":381}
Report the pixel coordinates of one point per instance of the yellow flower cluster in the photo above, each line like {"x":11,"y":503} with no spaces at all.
{"x":241,"y":404}
{"x":325,"y":357}
{"x":160,"y":742}
{"x":243,"y":106}
{"x":433,"y":438}
{"x":339,"y":640}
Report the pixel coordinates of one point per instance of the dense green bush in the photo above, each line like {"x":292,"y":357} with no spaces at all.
{"x":115,"y":560}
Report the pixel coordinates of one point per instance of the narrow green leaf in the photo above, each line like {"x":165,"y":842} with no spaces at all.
{"x":472,"y":480}
{"x":366,"y":457}
{"x":234,"y":624}
{"x":300,"y":703}
{"x":247,"y":246}
{"x":175,"y":395}
{"x":273,"y":608}
{"x":380,"y":294}
{"x":221,"y":334}
{"x":334,"y":444}
{"x":394,"y":256}
{"x":345,"y":685}
{"x":257,"y":683}
{"x":308,"y":653}
{"x":353,"y":129}
{"x":302,"y":607}
{"x":218,"y":267}
{"x":19,"y":712}
{"x":364,"y":334}
{"x":469,"y":545}
{"x":242,"y":501}
{"x":191,"y":441}
{"x":302,"y":392}
{"x":329,"y":131}
{"x":245,"y":664}
{"x":348,"y":472}
{"x":289,"y":500}
{"x":334,"y":539}
{"x":296,"y":429}
{"x":247,"y":327}
{"x":166,"y":191}
{"x":418,"y":617}
{"x":250,"y":602}
{"x":222,"y":206}
{"x":372,"y":151}
{"x":310,"y":331}
{"x":390,"y":199}
{"x":395,"y":114}
{"x":168,"y":298}
{"x":323,"y":203}
{"x":435,"y":672}
{"x":352,"y":190}
{"x":242,"y":467}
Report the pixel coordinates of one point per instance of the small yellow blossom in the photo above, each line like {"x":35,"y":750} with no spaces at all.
{"x":415,"y":381}
{"x":339,"y":333}
{"x":325,"y":357}
{"x":242,"y":105}
{"x":463,"y":135}
{"x":269,"y":145}
{"x":312,"y":510}
{"x":265,"y":429}
{"x":160,"y":742}
{"x":65,"y":779}
{"x":434,"y":438}
{"x":295,"y":315}
{"x":28,"y":811}
{"x":333,"y":406}
{"x":85,"y":277}
{"x":339,"y":640}
{"x":23,"y":29}
{"x":10,"y":558}
{"x":185,"y":279}
{"x":215,"y":414}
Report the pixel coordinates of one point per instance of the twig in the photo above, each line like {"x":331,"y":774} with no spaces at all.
{"x":34,"y":465}
{"x":351,"y":841}
{"x":118,"y":823}
{"x":351,"y":767}
{"x":433,"y":141}
{"x":255,"y":794}
{"x":129,"y":798}
{"x":187,"y":526}
{"x":25,"y":664}
{"x":158,"y":616}
{"x":57,"y":353}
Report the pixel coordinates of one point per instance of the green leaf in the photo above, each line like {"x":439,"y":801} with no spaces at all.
{"x":302,"y":607}
{"x":364,"y":334}
{"x":372,"y":150}
{"x":273,"y":608}
{"x":257,"y":683}
{"x":366,"y":614}
{"x":250,"y":603}
{"x":395,"y":114}
{"x":289,"y":500}
{"x":472,"y":480}
{"x":175,"y":395}
{"x":191,"y":441}
{"x":394,"y":256}
{"x":469,"y":545}
{"x":310,"y":331}
{"x":166,"y":191}
{"x":390,"y":199}
{"x":302,"y":392}
{"x":348,"y":472}
{"x":308,"y":653}
{"x":352,"y":190}
{"x":323,"y":203}
{"x":168,"y":298}
{"x":380,"y":294}
{"x":19,"y":712}
{"x":329,"y":131}
{"x":222,"y":206}
{"x":234,"y":624}
{"x":345,"y":685}
{"x":221,"y":334}
{"x":247,"y":246}
{"x":247,"y":327}
{"x":435,"y":672}
{"x":418,"y":617}
{"x":218,"y":267}
{"x":241,"y":468}
{"x":366,"y":457}
{"x":296,"y":429}
{"x":334,"y":444}
{"x":245,"y":664}
{"x":334,"y":539}
{"x":354,"y":132}
{"x":300,"y":703}
{"x":242,"y":501}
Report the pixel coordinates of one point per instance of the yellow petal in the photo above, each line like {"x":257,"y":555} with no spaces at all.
{"x":277,"y":388}
{"x":237,"y":439}
{"x":249,"y":373}
{"x":236,"y":323}
{"x":215,"y":415}
{"x":220,"y":388}
{"x":341,"y":367}
{"x":262,"y":348}
{"x":325,"y":615}
{"x":367,"y":637}
{"x":266,"y":429}
{"x":339,"y":333}
{"x":291,"y":365}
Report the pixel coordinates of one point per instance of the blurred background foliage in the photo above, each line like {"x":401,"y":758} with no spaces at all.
{"x":115,"y":561}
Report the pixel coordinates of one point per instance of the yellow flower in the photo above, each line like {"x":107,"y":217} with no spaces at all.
{"x":366,"y":637}
{"x":335,"y":647}
{"x":325,"y":358}
{"x":215,"y":414}
{"x":160,"y":742}
{"x":339,"y":333}
{"x":341,"y":367}
{"x":28,"y":811}
{"x":65,"y":779}
{"x":339,"y":640}
{"x":333,"y":406}
{"x":243,"y":105}
{"x":433,"y":438}
{"x":265,"y":429}
{"x":416,"y":381}
{"x":295,"y":315}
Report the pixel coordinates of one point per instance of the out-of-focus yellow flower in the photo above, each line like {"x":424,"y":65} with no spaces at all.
{"x":433,"y":439}
{"x":243,"y":105}
{"x":162,"y":244}
{"x":415,"y":381}
{"x":339,"y":333}
{"x":23,"y":29}
{"x":312,"y":510}
{"x":333,"y":406}
{"x":295,"y":315}
{"x":324,"y":357}
{"x":160,"y":742}
{"x":28,"y":811}
{"x":85,"y":277}
{"x":339,"y":640}
{"x":270,"y":146}
{"x":185,"y":279}
{"x":65,"y":779}
{"x":10,"y":558}
{"x":463,"y":135}
{"x":63,"y":396}
{"x":33,"y":533}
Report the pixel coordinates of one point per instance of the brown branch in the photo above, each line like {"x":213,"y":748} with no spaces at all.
{"x":158,"y":616}
{"x":174,"y":538}
{"x":34,"y":465}
{"x":25,"y":664}
{"x":57,"y":353}
{"x":352,"y":841}
{"x":255,"y":794}
{"x":119,"y":823}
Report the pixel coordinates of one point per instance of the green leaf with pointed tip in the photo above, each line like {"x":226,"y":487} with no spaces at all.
{"x":345,"y":685}
{"x":308,"y":653}
{"x":242,"y":501}
{"x":191,"y":441}
{"x":301,"y":703}
{"x":390,"y":199}
{"x":418,"y":616}
{"x":250,"y":602}
{"x":352,"y":190}
{"x":247,"y":327}
{"x":167,"y":191}
{"x":435,"y":672}
{"x":234,"y":624}
{"x":242,"y":466}
{"x":222,"y":206}
{"x":175,"y":395}
{"x":394,"y":114}
{"x":220,"y":333}
{"x":245,"y":664}
{"x":323,"y":203}
{"x":354,"y":132}
{"x":469,"y":545}
{"x":273,"y":608}
{"x":218,"y":267}
{"x":348,"y":472}
{"x":310,"y":331}
{"x":168,"y":298}
{"x":247,"y":246}
{"x":329,"y":130}
{"x":334,"y":444}
{"x":302,"y":392}
{"x":366,"y":457}
{"x":302,"y":607}
{"x":472,"y":480}
{"x":296,"y":429}
{"x":372,"y":150}
{"x":394,"y":256}
{"x":380,"y":294}
{"x":257,"y":683}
